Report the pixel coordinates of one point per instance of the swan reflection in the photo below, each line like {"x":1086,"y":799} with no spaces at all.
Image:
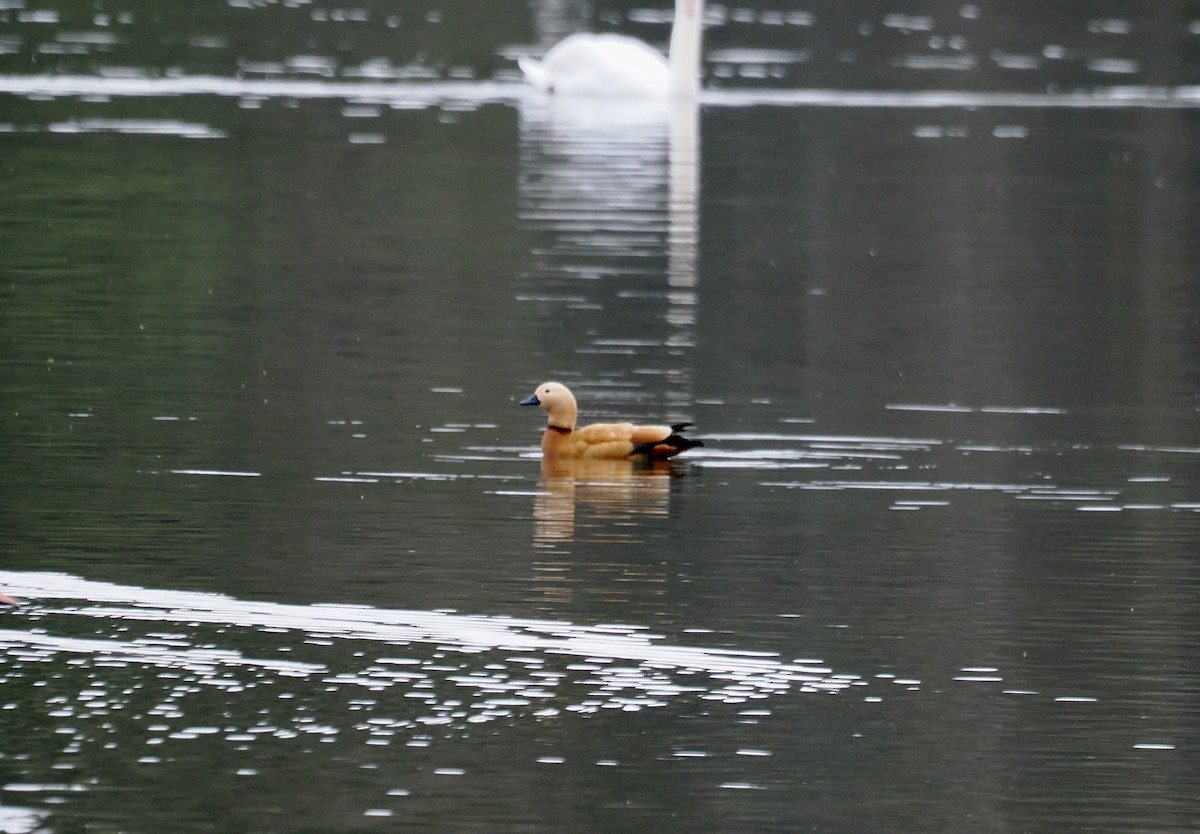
{"x":610,"y":191}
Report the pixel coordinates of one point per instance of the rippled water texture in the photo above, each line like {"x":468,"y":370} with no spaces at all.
{"x":276,"y":275}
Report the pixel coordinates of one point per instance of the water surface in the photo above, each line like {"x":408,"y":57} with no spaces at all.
{"x":925,"y":283}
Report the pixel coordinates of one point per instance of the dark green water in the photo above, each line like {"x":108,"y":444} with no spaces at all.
{"x":289,"y":557}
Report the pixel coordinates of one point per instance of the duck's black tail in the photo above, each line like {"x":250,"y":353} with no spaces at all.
{"x":669,"y":446}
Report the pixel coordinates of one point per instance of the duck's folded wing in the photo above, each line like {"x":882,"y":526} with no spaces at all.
{"x":621,"y":440}
{"x":610,"y":432}
{"x":649,"y":434}
{"x":601,"y":433}
{"x":602,"y":440}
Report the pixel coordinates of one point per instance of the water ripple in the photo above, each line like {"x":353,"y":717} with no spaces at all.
{"x":449,"y":670}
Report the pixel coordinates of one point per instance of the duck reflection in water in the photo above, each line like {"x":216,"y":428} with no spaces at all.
{"x":599,"y":500}
{"x":594,"y":503}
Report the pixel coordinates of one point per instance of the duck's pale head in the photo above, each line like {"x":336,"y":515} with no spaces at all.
{"x":559,"y":403}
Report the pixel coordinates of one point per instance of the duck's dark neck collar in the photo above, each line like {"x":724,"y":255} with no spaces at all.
{"x":559,"y":429}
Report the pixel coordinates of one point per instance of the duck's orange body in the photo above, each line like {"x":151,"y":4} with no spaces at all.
{"x":601,"y":441}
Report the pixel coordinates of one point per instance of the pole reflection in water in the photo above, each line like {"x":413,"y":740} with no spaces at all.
{"x":683,"y":231}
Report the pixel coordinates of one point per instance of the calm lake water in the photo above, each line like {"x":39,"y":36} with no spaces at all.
{"x":275,"y":277}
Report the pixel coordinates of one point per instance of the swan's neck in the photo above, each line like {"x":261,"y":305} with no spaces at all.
{"x":684,"y":57}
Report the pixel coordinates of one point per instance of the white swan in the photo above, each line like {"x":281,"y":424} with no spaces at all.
{"x":611,"y":65}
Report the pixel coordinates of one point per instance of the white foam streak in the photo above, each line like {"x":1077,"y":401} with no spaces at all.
{"x":428,"y":93}
{"x":465,"y":633}
{"x":146,"y":652}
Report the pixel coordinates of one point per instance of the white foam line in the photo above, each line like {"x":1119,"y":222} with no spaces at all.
{"x":153,"y":127}
{"x":967,"y":447}
{"x":423,"y":93}
{"x":890,"y":443}
{"x":954,"y":408}
{"x":1179,"y":450}
{"x":123,"y":651}
{"x":465,"y":632}
{"x":428,"y":93}
{"x":1100,"y":97}
{"x":902,"y":486}
{"x":949,"y":408}
{"x":770,"y":455}
{"x":412,"y":476}
{"x":1021,"y":409}
{"x":217,"y":473}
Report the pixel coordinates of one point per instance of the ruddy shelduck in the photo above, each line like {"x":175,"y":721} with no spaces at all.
{"x":602,"y":441}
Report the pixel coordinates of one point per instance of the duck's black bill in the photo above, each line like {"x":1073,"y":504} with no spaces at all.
{"x":531,"y":401}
